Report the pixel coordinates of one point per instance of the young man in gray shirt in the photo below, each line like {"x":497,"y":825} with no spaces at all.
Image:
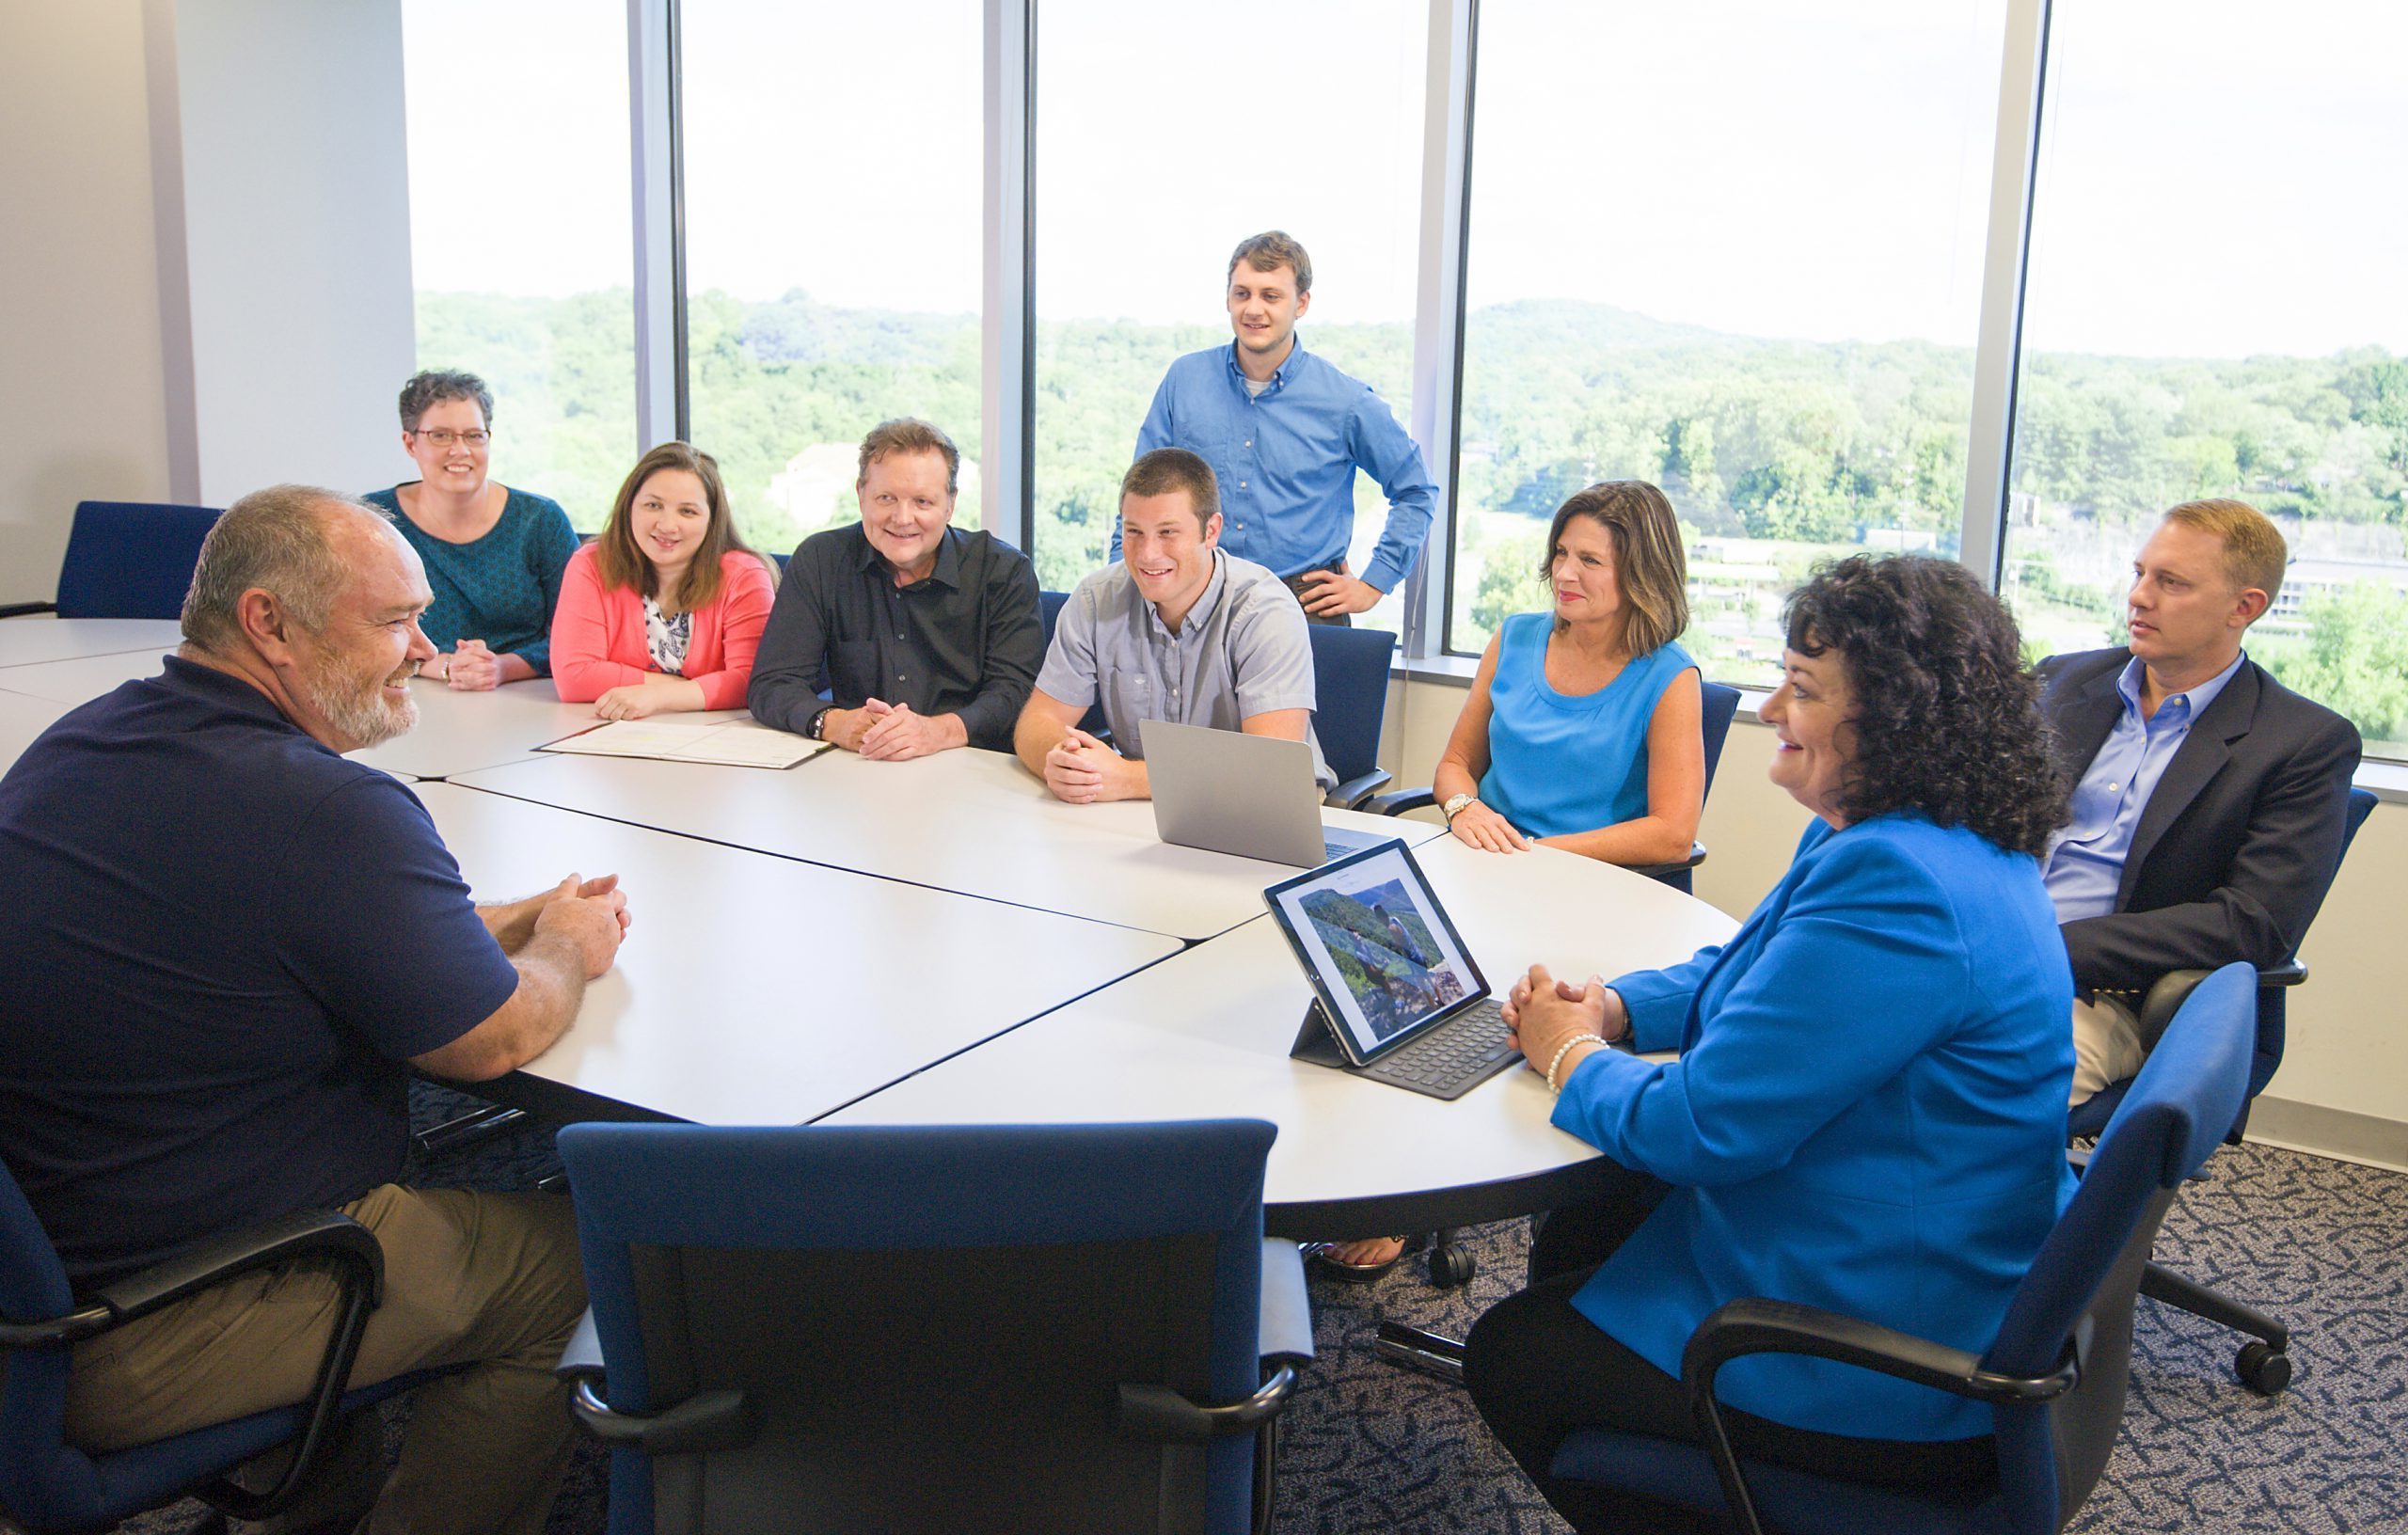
{"x":1179,"y":630}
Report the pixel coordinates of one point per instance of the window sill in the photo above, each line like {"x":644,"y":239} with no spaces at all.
{"x":2386,"y":780}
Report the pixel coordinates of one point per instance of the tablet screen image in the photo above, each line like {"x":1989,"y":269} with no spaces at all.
{"x":1383,"y":957}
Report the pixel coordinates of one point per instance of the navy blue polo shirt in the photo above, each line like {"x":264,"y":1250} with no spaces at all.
{"x":222,"y":943}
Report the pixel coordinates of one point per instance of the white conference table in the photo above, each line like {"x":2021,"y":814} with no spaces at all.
{"x":754,"y":989}
{"x":1207,"y":1033}
{"x":35,"y":637}
{"x":940,"y":941}
{"x":975,"y":822}
{"x":455,"y":733}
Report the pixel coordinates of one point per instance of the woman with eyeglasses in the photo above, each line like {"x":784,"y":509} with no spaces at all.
{"x":494,"y":555}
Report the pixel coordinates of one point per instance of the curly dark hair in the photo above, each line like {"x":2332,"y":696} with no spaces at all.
{"x":1946,"y":718}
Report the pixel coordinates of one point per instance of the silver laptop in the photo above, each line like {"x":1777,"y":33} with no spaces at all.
{"x":1253,"y":795}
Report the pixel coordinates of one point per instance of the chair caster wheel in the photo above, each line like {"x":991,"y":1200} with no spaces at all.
{"x":1451,"y":1266}
{"x":2262,"y":1369}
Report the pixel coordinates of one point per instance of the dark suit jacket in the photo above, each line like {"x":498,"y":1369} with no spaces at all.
{"x":2238,"y":843}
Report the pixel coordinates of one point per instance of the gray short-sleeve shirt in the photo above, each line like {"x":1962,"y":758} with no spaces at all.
{"x":1242,"y":651}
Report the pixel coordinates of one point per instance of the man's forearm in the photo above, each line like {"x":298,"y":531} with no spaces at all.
{"x":1033,"y":737}
{"x":512,"y":922}
{"x":551,"y":987}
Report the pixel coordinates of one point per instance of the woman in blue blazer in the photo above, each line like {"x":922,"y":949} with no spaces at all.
{"x":1868,"y":1110}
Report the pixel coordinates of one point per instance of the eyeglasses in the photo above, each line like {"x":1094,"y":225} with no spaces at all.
{"x":444,"y":436}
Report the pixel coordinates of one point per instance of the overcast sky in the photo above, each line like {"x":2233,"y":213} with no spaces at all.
{"x":2216,"y":179}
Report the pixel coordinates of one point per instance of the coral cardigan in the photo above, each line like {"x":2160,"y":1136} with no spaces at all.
{"x":598,"y":639}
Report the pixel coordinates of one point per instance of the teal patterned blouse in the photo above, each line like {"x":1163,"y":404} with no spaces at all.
{"x":502,"y":588}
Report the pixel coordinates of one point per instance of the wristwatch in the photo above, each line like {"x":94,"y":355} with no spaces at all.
{"x":818,"y":730}
{"x":1454,"y":806}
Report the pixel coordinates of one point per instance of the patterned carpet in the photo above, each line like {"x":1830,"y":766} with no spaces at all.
{"x":1372,"y":1447}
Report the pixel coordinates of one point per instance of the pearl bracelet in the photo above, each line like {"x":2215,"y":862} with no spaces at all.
{"x":1562,"y":1051}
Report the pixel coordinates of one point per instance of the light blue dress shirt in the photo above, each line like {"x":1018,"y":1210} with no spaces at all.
{"x":2086,"y":864}
{"x":1286,"y":460}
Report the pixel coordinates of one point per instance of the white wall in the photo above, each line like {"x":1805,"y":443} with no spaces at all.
{"x":2347,"y":1057}
{"x":205,"y":284}
{"x":81,"y":398}
{"x":295,"y":238}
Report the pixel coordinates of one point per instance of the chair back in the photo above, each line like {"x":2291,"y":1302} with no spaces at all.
{"x":43,"y":1481}
{"x":928,"y":1326}
{"x":1049,"y":612}
{"x":1719,"y":703}
{"x":130,"y":559}
{"x":2080,"y":1291}
{"x":1350,"y":695}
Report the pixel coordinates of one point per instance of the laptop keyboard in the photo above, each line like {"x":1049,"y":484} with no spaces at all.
{"x":1454,"y":1057}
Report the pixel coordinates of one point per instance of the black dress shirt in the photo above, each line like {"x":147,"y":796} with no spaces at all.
{"x":963,"y":641}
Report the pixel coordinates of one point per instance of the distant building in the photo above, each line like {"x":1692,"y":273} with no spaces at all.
{"x":2309,"y":579}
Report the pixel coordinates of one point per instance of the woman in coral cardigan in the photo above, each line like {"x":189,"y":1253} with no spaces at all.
{"x":664,"y":610}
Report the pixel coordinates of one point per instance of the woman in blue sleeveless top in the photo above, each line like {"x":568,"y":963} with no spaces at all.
{"x":1583,"y":727}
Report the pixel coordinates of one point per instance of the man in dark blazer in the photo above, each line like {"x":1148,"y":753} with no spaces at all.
{"x":2209,"y":798}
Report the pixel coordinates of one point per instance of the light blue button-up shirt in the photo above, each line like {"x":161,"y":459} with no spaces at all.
{"x":2086,"y":864}
{"x":1286,"y":460}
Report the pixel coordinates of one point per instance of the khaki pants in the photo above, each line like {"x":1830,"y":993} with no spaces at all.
{"x":491,"y":1280}
{"x":2106,"y":1044}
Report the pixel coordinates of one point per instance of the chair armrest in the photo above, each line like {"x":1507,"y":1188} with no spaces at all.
{"x":359,"y":1264}
{"x":1761,"y":1326}
{"x":704,"y":1421}
{"x":1398,"y":801}
{"x":707,"y":1420}
{"x":308,"y":1233}
{"x":583,"y":1355}
{"x":1286,"y":1328}
{"x":1743,"y":1327}
{"x":19,"y":609}
{"x":1351,"y":794}
{"x":2166,"y":997}
{"x":1656,"y":871}
{"x":1161,"y":1414}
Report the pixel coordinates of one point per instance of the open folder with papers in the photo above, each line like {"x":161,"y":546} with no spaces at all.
{"x":733,"y":743}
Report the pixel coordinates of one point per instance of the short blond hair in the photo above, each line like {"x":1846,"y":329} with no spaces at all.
{"x":911,"y":434}
{"x":2254,"y":551}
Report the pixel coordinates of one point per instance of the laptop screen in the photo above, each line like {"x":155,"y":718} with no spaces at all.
{"x":1382,"y":954}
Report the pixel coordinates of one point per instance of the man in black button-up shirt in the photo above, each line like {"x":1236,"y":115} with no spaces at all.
{"x":926,"y":637}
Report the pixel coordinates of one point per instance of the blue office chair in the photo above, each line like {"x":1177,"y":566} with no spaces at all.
{"x":936,"y":1328}
{"x":2055,"y":1375}
{"x":1351,"y":694}
{"x":127,"y":560}
{"x":48,"y":1486}
{"x":1719,"y":704}
{"x":1049,"y":611}
{"x":2263,"y":1363}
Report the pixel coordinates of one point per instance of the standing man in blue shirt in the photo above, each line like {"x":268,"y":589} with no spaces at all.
{"x":1284,"y":432}
{"x":2209,"y":798}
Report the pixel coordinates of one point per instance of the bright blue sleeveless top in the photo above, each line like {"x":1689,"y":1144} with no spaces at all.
{"x":1557,"y":763}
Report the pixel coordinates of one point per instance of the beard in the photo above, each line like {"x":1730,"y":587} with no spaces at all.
{"x":355,"y":709}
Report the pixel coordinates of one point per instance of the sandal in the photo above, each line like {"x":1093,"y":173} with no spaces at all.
{"x":1325,"y":1254}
